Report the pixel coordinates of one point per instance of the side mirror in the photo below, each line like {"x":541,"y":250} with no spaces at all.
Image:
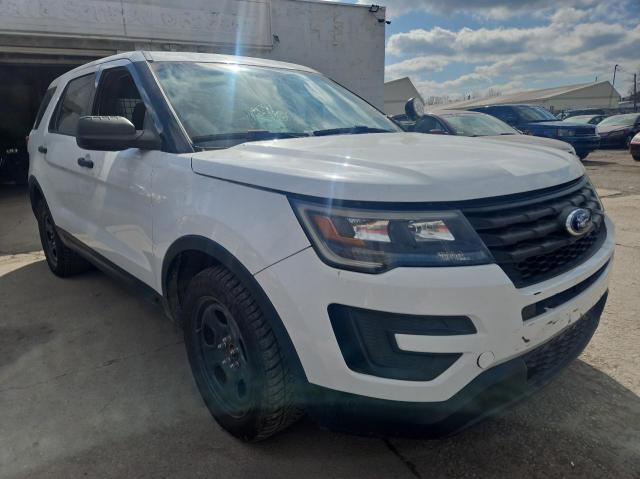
{"x":113,"y":133}
{"x":437,"y":131}
{"x":414,"y":108}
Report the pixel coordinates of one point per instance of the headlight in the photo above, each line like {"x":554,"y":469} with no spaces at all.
{"x":374,"y":241}
{"x":566,"y":133}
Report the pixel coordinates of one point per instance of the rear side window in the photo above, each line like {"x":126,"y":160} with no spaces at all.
{"x":76,"y":101}
{"x":506,"y":114}
{"x":43,"y":106}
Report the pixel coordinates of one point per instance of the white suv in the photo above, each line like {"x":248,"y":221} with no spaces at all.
{"x":317,"y":257}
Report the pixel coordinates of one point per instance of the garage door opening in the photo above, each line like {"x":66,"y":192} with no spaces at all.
{"x":21,"y":90}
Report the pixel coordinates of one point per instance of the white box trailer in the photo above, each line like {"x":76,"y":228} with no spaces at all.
{"x":39,"y":40}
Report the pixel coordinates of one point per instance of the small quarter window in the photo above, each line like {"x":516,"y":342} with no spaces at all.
{"x":43,"y":106}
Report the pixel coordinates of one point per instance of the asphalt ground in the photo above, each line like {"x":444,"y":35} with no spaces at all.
{"x":94,"y":382}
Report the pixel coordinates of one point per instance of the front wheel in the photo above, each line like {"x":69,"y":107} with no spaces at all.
{"x":235,"y":357}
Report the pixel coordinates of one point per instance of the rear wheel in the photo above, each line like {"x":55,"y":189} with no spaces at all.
{"x":235,"y":357}
{"x":62,"y":261}
{"x":582,"y":154}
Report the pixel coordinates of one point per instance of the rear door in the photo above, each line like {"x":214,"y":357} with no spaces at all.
{"x":62,"y":176}
{"x":118,"y":186}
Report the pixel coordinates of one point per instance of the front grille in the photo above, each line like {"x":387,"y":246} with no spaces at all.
{"x":527,"y":237}
{"x":585,"y":132}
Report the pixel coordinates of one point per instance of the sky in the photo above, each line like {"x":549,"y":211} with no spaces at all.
{"x":456,"y":47}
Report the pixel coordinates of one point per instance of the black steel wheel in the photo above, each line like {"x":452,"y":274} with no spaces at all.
{"x":237,"y":362}
{"x":222,"y":352}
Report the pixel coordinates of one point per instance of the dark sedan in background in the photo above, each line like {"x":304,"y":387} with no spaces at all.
{"x":535,"y":120}
{"x":471,"y":123}
{"x":618,"y":130}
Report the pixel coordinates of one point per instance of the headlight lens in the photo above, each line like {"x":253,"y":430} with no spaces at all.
{"x":566,"y":133}
{"x":374,"y":241}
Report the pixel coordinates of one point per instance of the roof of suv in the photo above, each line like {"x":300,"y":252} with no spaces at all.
{"x":140,"y":56}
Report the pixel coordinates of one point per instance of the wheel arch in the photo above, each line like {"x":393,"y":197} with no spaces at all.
{"x":35,"y":193}
{"x":201,"y":247}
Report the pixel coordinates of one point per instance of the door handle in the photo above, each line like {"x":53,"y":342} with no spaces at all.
{"x":85,"y":163}
{"x":42,"y":149}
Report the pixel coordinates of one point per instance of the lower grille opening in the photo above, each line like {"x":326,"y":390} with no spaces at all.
{"x":541,"y":307}
{"x":544,"y":361}
{"x":367,"y":341}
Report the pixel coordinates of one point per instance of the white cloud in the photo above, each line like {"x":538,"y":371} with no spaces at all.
{"x":416,"y":66}
{"x":574,"y":45}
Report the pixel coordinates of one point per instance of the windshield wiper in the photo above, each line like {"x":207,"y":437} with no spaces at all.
{"x":350,"y":130}
{"x":250,"y":135}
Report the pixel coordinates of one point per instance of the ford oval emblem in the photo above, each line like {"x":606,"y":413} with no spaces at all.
{"x":578,"y":221}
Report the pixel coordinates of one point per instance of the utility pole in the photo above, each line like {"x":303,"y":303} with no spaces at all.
{"x":614,"y":75}
{"x":635,"y":92}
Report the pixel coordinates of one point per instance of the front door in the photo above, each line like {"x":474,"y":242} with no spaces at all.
{"x":119,"y":191}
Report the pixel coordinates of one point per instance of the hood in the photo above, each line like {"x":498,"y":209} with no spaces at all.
{"x":535,"y":141}
{"x":392,"y":167}
{"x":562,"y":125}
{"x":611,"y":128}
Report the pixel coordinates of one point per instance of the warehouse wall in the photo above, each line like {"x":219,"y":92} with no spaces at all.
{"x":343,"y":41}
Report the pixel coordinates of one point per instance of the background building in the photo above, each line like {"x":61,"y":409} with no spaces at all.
{"x":584,"y":95}
{"x":396,"y":94}
{"x":40,"y":40}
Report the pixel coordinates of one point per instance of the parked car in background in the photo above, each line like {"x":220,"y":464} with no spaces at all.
{"x":634,"y":147}
{"x":535,"y":120}
{"x":618,"y":130}
{"x":471,"y":123}
{"x":315,"y":255}
{"x":590,"y":119}
{"x":14,"y":160}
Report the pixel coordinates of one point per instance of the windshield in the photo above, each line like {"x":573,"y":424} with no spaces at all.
{"x":478,"y":125}
{"x":220,"y":105}
{"x":535,"y":113}
{"x":620,"y":120}
{"x":579,"y":119}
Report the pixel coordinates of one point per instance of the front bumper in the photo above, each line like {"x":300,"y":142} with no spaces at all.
{"x":613,"y":140}
{"x":492,"y":390}
{"x":583,"y":144}
{"x":301,"y":289}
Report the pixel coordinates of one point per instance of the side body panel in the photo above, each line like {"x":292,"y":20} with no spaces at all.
{"x":257,"y":227}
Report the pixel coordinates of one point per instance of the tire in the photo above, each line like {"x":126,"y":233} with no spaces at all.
{"x":636,"y":158}
{"x":583,"y":154}
{"x":62,"y":261}
{"x":236,"y":360}
{"x":627,"y":141}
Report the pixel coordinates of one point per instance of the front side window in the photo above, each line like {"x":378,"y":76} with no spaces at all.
{"x":119,"y":96}
{"x":220,"y":105}
{"x":76,"y":101}
{"x":478,"y":125}
{"x":429,"y":123}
